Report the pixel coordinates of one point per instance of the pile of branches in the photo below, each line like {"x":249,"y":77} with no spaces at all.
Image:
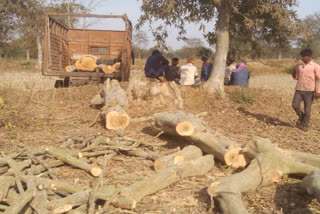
{"x":29,"y":185}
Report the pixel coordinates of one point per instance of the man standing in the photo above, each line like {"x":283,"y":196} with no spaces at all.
{"x":156,"y":65}
{"x":188,"y":72}
{"x":308,"y":75}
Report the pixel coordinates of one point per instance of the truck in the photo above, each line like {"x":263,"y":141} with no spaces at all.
{"x":104,"y":37}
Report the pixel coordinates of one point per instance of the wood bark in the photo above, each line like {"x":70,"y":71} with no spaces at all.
{"x":19,"y":204}
{"x":187,"y":153}
{"x":268,"y":166}
{"x":195,"y":131}
{"x":61,"y":155}
{"x":215,"y":84}
{"x":131,"y":195}
{"x":311,"y":183}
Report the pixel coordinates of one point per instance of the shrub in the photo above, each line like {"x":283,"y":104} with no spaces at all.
{"x":243,"y":97}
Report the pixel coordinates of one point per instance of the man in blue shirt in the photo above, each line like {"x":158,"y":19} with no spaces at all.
{"x":156,"y":65}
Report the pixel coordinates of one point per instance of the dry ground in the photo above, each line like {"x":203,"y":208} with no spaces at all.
{"x":35,"y":114}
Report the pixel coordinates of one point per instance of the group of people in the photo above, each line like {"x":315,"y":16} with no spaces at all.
{"x":157,"y":66}
{"x":307,"y":75}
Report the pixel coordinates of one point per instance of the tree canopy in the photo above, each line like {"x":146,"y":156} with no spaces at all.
{"x":256,"y":22}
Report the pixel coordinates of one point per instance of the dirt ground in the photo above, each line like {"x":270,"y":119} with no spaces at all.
{"x":35,"y":114}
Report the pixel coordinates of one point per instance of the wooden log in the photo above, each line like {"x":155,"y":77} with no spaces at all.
{"x":116,"y":67}
{"x":19,"y":204}
{"x":195,"y":131}
{"x":131,"y":195}
{"x":311,"y":183}
{"x":187,"y":153}
{"x":105,"y":68}
{"x":5,"y":183}
{"x":70,"y":68}
{"x":268,"y":166}
{"x":116,"y":118}
{"x":178,"y":100}
{"x":73,"y":200}
{"x":61,"y":155}
{"x":97,"y":100}
{"x":114,"y":95}
{"x":86,"y":63}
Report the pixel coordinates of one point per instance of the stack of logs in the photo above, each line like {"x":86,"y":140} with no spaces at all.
{"x":28,"y":184}
{"x":92,"y":63}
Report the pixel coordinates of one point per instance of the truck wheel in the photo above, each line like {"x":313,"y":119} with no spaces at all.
{"x":58,"y":84}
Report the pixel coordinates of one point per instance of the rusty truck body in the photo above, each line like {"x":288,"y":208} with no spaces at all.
{"x":62,"y":42}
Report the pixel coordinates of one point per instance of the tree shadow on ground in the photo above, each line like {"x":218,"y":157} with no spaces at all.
{"x":292,"y":199}
{"x":265,"y":118}
{"x":172,"y":141}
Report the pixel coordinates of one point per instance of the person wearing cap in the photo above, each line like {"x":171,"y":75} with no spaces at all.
{"x":206,"y":68}
{"x":228,"y":70}
{"x":188,"y":73}
{"x":172,"y":73}
{"x":156,"y":65}
{"x":307,"y":75}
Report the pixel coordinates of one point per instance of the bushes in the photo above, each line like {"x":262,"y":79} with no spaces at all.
{"x":243,"y":97}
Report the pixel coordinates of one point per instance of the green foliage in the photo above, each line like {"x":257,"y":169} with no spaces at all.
{"x":243,"y":97}
{"x":289,"y":70}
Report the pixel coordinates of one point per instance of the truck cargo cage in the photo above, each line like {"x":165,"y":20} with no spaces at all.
{"x":87,"y":47}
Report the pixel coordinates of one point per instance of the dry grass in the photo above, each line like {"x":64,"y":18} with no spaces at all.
{"x":17,"y":64}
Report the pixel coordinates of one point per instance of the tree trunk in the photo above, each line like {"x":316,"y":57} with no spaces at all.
{"x":28,"y":55}
{"x":39,"y":47}
{"x":311,"y":183}
{"x":215,"y":84}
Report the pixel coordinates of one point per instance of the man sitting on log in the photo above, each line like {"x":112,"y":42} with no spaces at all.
{"x":188,"y":73}
{"x":156,"y":65}
{"x":172,"y":73}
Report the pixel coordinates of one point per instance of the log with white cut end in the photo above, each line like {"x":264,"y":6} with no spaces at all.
{"x":63,"y":156}
{"x":187,"y":153}
{"x":131,"y":195}
{"x":311,"y":183}
{"x":115,"y":103}
{"x":86,"y":63}
{"x":116,"y":118}
{"x":195,"y":131}
{"x":269,"y":165}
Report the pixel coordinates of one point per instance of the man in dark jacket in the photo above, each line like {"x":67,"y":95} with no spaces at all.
{"x":172,"y":73}
{"x":156,"y":65}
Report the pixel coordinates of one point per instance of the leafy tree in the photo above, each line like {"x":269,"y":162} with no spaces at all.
{"x":194,"y":44}
{"x":247,"y":20}
{"x":140,"y":40}
{"x":311,"y":39}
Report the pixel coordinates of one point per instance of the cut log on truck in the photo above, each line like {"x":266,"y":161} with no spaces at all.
{"x":86,"y":63}
{"x":195,"y":131}
{"x":311,"y":183}
{"x":269,"y":165}
{"x":105,"y":68}
{"x":131,"y":195}
{"x":187,"y":153}
{"x":70,"y":68}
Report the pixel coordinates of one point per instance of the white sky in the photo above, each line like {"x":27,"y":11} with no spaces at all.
{"x":132,"y":9}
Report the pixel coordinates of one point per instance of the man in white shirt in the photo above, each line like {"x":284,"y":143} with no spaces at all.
{"x":188,"y":73}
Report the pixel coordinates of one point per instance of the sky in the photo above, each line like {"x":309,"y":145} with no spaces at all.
{"x":132,"y":9}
